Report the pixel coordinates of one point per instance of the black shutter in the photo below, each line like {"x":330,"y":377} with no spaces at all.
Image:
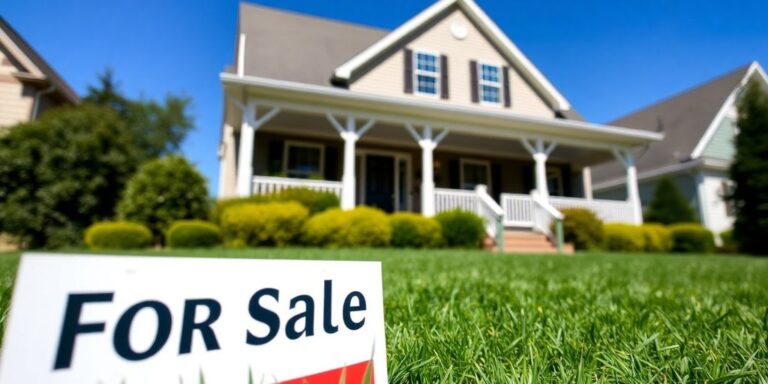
{"x":454,"y":174}
{"x":528,"y":179}
{"x":275,"y":157}
{"x":507,"y":96}
{"x":408,"y":71}
{"x":495,"y":186}
{"x":444,"y":77}
{"x":473,"y":81}
{"x":331,"y":162}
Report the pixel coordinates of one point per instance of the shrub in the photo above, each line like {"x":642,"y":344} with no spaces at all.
{"x":668,"y":205}
{"x":193,"y":234}
{"x":222,"y":205}
{"x":276,"y":224}
{"x":315,"y":201}
{"x":163,"y":191}
{"x":692,"y":238}
{"x":658,"y":238}
{"x":412,"y":230}
{"x":624,"y":237}
{"x":118,"y":235}
{"x":360,"y":227}
{"x":582,"y":228}
{"x":729,"y":244}
{"x":461,"y":229}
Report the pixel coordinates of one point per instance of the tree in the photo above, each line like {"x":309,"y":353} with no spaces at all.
{"x":163,"y":191}
{"x":668,"y":205}
{"x":749,"y":171}
{"x":61,"y":173}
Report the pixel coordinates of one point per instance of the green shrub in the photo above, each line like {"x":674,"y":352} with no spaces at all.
{"x":193,"y":234}
{"x":668,"y":205}
{"x":658,"y":238}
{"x":315,"y":201}
{"x":222,"y":205}
{"x":624,"y":237}
{"x":461,"y":229}
{"x":692,"y":238}
{"x":118,"y":235}
{"x":582,"y":228}
{"x":276,"y":224}
{"x":360,"y":227}
{"x":412,"y":230}
{"x":729,"y":244}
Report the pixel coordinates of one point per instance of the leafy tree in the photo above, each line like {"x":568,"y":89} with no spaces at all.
{"x":163,"y":191}
{"x":157,"y":128}
{"x":668,"y":205}
{"x":63,"y":172}
{"x":749,"y":171}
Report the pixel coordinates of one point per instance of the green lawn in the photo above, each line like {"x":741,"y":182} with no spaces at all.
{"x":461,"y":316}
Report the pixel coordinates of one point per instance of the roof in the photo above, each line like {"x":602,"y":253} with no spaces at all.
{"x":684,"y":118}
{"x":62,"y":88}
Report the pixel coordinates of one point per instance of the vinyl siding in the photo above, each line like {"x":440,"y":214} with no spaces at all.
{"x":721,"y":145}
{"x":15,"y":99}
{"x":386,"y":78}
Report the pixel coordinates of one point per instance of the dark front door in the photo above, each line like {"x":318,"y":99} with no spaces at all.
{"x":380,"y":182}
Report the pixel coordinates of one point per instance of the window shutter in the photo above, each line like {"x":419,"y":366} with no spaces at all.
{"x":454,"y":174}
{"x":507,"y":93}
{"x":444,"y":90}
{"x":473,"y":81}
{"x":408,"y":71}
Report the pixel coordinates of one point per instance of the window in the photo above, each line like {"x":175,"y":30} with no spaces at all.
{"x":489,"y":83}
{"x":555,"y":181}
{"x":474,"y":173}
{"x":427,"y":73}
{"x":726,"y":191}
{"x":303,"y":160}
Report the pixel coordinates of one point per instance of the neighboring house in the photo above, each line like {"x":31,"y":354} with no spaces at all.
{"x":699,"y":127}
{"x":443,"y":112}
{"x":28,"y":85}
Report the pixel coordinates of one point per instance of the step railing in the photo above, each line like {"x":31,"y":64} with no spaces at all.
{"x":544,"y":214}
{"x":609,"y":211}
{"x":264,"y":185}
{"x":478,"y":202}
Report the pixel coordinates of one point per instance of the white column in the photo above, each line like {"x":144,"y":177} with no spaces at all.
{"x":633,"y":194}
{"x":350,"y":134}
{"x":250,"y":124}
{"x":586,"y":179}
{"x":540,"y":152}
{"x":428,"y":145}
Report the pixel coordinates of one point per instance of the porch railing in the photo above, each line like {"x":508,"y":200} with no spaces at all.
{"x":477,"y":202}
{"x":263,"y":185}
{"x":544,"y":214}
{"x":518,"y":209}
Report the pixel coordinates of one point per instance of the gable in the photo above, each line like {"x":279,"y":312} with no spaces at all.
{"x":386,"y":74}
{"x":721,"y":145}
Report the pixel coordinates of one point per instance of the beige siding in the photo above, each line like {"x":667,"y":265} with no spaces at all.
{"x":387,"y":77}
{"x":15,"y":101}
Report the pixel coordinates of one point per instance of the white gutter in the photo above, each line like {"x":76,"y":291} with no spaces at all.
{"x":704,"y":163}
{"x":38,"y":95}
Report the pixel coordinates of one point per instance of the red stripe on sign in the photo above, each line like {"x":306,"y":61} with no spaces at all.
{"x":353,"y":374}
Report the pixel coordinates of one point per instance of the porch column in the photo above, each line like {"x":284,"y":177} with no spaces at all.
{"x":350,"y":134}
{"x":627,"y":158}
{"x":540,"y":151}
{"x":250,"y":124}
{"x":428,"y":145}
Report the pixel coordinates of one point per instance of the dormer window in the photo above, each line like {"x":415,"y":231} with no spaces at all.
{"x":427,"y":73}
{"x":489,"y":83}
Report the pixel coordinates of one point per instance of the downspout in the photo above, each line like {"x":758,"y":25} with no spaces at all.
{"x":36,"y":104}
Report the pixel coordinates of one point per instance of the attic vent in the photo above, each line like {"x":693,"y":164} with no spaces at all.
{"x":459,"y":30}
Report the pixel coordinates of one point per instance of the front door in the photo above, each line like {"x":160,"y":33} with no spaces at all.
{"x":380,"y":182}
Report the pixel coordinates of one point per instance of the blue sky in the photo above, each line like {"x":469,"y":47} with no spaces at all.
{"x":607,"y":57}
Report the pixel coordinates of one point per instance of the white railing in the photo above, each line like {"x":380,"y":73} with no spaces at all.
{"x":477,"y":202}
{"x":263,"y":185}
{"x":450,"y":199}
{"x":609,"y":211}
{"x":518,"y":210}
{"x":544,"y":215}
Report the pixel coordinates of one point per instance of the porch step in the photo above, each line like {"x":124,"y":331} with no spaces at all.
{"x":522,"y":241}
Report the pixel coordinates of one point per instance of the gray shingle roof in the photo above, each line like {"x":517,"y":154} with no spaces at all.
{"x":683,"y":118}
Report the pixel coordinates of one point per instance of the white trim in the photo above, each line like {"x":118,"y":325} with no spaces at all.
{"x":396,"y":157}
{"x":485,"y":163}
{"x":714,"y":164}
{"x":420,"y":72}
{"x":19,"y":55}
{"x":241,"y":55}
{"x":498,"y":84}
{"x":509,"y":49}
{"x":303,"y":144}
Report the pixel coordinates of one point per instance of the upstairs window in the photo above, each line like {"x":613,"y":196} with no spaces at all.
{"x":489,"y":83}
{"x":427,"y":73}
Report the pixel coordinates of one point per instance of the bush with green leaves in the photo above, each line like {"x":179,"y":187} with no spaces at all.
{"x":163,"y":191}
{"x":729,"y":244}
{"x":692,"y":238}
{"x":272,"y":224}
{"x":624,"y":237}
{"x":412,"y":230}
{"x":658,"y":238}
{"x":117,"y":235}
{"x":461,"y":229}
{"x":222,"y":205}
{"x":668,"y":205}
{"x":360,"y":227}
{"x":582,"y":228}
{"x":193,"y":234}
{"x":315,"y":201}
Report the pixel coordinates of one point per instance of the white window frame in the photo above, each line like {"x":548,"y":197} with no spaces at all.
{"x":499,"y":84}
{"x":420,"y":72}
{"x":303,"y":144}
{"x":484,"y":163}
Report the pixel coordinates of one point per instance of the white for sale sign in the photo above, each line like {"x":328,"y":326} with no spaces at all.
{"x":137,"y":320}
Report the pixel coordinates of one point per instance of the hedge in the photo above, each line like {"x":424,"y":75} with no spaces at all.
{"x":624,"y":237}
{"x":277,"y":224}
{"x":412,"y":230}
{"x":582,"y":228}
{"x":692,"y":238}
{"x":118,"y":235}
{"x":193,"y":234}
{"x":360,"y":227}
{"x":314,"y":201}
{"x":658,"y":238}
{"x":461,"y":229}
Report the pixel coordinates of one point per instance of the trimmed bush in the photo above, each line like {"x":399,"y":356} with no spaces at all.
{"x":118,"y":235}
{"x":582,"y":228}
{"x":193,"y":234}
{"x":222,"y":205}
{"x":461,"y":229}
{"x":658,"y":238}
{"x":315,"y":201}
{"x":277,"y":224}
{"x":624,"y":237}
{"x":360,"y":227}
{"x":729,"y":244}
{"x":692,"y":238}
{"x":412,"y":230}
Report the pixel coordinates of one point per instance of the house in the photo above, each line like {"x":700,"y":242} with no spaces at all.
{"x":28,"y":85}
{"x":443,"y":112}
{"x":699,"y":127}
